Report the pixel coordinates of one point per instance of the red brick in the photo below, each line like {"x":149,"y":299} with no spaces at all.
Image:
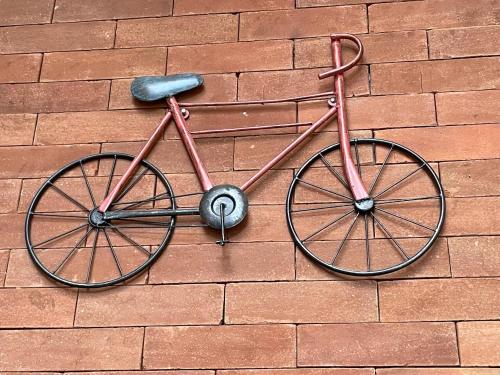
{"x":171,"y":31}
{"x":231,"y":57}
{"x":289,"y":83}
{"x":374,"y":112}
{"x":448,"y":143}
{"x":472,"y":107}
{"x":16,"y":12}
{"x":19,"y":68}
{"x":301,"y":302}
{"x":17,"y":129}
{"x":41,"y":97}
{"x":434,"y":300}
{"x":116,"y":63}
{"x":103,"y":126}
{"x":434,"y":264}
{"x":432,"y":76}
{"x":9,"y":194}
{"x":462,"y":42}
{"x":51,"y":307}
{"x":4,"y":260}
{"x":300,"y":23}
{"x":13,"y":237}
{"x":173,"y":372}
{"x":437,"y":371}
{"x":88,"y":10}
{"x":412,"y":45}
{"x":57,"y":37}
{"x":483,"y":216}
{"x":39,"y":161}
{"x":323,"y":3}
{"x":470,"y":178}
{"x":216,"y":87}
{"x":479,"y":343}
{"x":229,"y":6}
{"x":165,"y":305}
{"x":77,"y":349}
{"x":301,"y":371}
{"x":220,"y":347}
{"x":474,"y":256}
{"x":210,"y":263}
{"x":429,"y":14}
{"x":377,"y":344}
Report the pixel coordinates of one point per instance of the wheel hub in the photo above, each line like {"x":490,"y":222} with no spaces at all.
{"x":235,"y":206}
{"x":365,"y":205}
{"x":96,"y":218}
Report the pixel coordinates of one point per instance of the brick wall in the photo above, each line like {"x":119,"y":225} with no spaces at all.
{"x":429,"y":79}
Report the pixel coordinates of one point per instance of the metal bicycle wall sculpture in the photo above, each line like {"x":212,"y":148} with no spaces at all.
{"x":360,"y":207}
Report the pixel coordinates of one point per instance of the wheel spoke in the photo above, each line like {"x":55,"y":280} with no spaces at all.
{"x":322,"y":207}
{"x":131,"y":185}
{"x":380,"y":170}
{"x":92,"y":256}
{"x":400,"y":200}
{"x":325,"y":190}
{"x":344,"y":239}
{"x":60,"y":235}
{"x":327,"y":226}
{"x":59,"y":215}
{"x":65,"y":195}
{"x":367,"y":244}
{"x":357,"y":157}
{"x":115,"y":257}
{"x":88,"y":184}
{"x":399,"y":181}
{"x":130,"y":240}
{"x":111,"y":174}
{"x":392,"y":239}
{"x":332,"y":169}
{"x":72,"y":251}
{"x":405,"y":219}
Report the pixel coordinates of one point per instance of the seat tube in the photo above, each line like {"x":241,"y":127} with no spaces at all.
{"x":352,"y":176}
{"x":189,"y":144}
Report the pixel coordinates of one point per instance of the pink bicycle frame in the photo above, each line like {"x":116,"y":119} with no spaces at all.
{"x":350,"y":172}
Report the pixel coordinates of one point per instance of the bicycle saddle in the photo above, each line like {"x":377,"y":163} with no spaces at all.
{"x":153,"y":88}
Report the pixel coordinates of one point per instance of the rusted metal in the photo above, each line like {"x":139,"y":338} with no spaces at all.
{"x":342,"y":68}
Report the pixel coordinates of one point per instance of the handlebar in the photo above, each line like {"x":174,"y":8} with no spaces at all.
{"x":350,"y":64}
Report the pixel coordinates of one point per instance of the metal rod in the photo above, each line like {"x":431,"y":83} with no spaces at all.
{"x":116,"y":215}
{"x":260,"y":127}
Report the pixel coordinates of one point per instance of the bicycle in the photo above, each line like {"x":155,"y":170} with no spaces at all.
{"x":332,"y":216}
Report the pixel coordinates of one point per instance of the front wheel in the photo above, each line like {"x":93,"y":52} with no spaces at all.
{"x":401,"y":222}
{"x":69,"y":240}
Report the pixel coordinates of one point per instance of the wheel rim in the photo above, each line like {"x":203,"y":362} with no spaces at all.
{"x":75,"y":249}
{"x":365,"y":234}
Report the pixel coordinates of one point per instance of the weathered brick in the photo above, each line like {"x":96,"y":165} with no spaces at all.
{"x":54,"y":97}
{"x":9,"y":194}
{"x":462,"y":42}
{"x":102,"y":126}
{"x":20,"y":68}
{"x":377,"y":344}
{"x":209,"y":263}
{"x":447,"y":142}
{"x":434,"y":300}
{"x":39,"y":161}
{"x":436,"y":76}
{"x":4,"y":260}
{"x":374,"y":112}
{"x":437,"y":371}
{"x":17,"y":129}
{"x":479,"y":343}
{"x":301,"y":302}
{"x":77,"y":349}
{"x":220,"y":347}
{"x":472,"y":107}
{"x":482,"y":216}
{"x":429,"y":14}
{"x":470,"y":178}
{"x":231,"y":57}
{"x":302,"y":371}
{"x":173,"y":372}
{"x":474,"y":256}
{"x":15,"y":12}
{"x":325,"y":3}
{"x":316,"y":52}
{"x":165,"y":305}
{"x":13,"y":237}
{"x":434,"y":264}
{"x":116,"y":63}
{"x":289,"y":83}
{"x":88,"y":10}
{"x":229,"y":6}
{"x":57,"y":37}
{"x":171,"y":31}
{"x":300,"y":23}
{"x":216,"y":87}
{"x":52,"y":307}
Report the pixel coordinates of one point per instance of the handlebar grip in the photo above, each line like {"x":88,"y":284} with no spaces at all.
{"x":350,"y":64}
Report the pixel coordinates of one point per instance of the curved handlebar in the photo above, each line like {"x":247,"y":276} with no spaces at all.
{"x":350,"y":64}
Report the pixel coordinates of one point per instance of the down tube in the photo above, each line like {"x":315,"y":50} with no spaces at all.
{"x":325,"y":118}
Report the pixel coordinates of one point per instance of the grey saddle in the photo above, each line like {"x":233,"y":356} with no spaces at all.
{"x":153,"y":88}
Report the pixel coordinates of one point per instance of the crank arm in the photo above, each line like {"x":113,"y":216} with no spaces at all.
{"x":116,"y":215}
